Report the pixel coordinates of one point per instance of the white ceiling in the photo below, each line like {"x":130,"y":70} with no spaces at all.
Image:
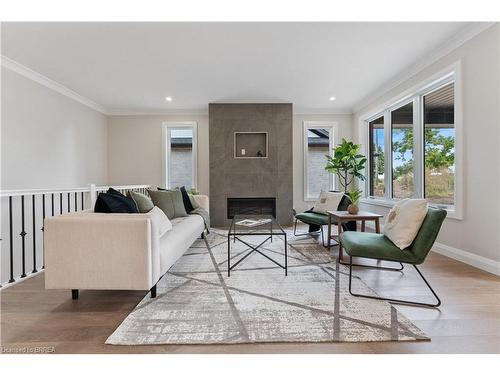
{"x":134,"y":66}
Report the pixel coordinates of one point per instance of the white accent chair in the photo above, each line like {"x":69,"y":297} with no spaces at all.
{"x":88,"y":250}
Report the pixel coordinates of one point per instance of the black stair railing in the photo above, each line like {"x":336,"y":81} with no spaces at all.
{"x":15,"y":256}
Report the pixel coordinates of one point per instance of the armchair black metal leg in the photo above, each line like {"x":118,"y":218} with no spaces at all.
{"x":320,"y":232}
{"x":374,"y":267}
{"x":74,"y":293}
{"x":302,"y":234}
{"x":397,"y":301}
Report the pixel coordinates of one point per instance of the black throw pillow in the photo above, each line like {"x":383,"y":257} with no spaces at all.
{"x":185,"y":199}
{"x":115,"y":202}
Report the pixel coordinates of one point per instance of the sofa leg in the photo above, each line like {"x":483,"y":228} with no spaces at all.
{"x":153,"y":291}
{"x":202,"y":235}
{"x":74,"y":293}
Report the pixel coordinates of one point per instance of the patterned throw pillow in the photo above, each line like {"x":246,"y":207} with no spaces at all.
{"x":404,"y":220}
{"x":327,"y":201}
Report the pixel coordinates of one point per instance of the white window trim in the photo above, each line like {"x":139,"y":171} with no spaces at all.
{"x":166,"y":149}
{"x":333,"y":126}
{"x":448,"y":74}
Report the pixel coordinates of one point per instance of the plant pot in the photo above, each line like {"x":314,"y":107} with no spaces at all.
{"x":353,"y":209}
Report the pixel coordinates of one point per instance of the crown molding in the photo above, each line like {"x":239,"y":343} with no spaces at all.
{"x":126,"y":112}
{"x":47,"y":82}
{"x":302,"y":112}
{"x":322,"y":112}
{"x":444,"y":49}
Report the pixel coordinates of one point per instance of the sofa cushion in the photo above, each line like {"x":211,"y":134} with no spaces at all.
{"x":143,"y":202}
{"x":114,"y":202}
{"x":175,"y":242}
{"x":192,"y":199}
{"x":162,"y":221}
{"x":170,"y":201}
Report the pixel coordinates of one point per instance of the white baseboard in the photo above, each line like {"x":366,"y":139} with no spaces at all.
{"x":486,"y":264}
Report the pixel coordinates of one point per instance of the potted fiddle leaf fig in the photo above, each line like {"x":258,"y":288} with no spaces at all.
{"x":347,"y":163}
{"x":354,"y":195}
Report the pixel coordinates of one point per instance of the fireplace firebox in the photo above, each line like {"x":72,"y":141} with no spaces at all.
{"x":251,"y":206}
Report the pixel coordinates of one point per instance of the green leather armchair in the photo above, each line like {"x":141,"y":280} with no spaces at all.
{"x":316,"y":221}
{"x":378,"y":246}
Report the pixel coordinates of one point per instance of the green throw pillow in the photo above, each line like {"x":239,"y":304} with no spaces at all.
{"x":193,"y":201}
{"x":144,"y":203}
{"x":169,"y":201}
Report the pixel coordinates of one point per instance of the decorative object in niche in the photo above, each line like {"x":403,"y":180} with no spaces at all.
{"x":250,"y":145}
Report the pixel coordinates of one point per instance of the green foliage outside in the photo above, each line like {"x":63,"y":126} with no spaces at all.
{"x":439,"y":159}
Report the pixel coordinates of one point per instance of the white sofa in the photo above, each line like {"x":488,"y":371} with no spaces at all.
{"x":88,"y":250}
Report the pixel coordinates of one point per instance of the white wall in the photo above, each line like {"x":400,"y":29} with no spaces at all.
{"x":474,"y":239}
{"x":49,"y":140}
{"x":344,"y":131}
{"x":135,"y":149}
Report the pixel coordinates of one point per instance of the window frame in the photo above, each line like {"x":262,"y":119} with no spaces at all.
{"x":415,"y":94}
{"x":333,"y":127}
{"x":368,"y":161}
{"x":166,"y":149}
{"x":417,"y":160}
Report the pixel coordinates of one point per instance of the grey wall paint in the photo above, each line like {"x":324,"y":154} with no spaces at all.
{"x":236,"y":178}
{"x":49,"y":140}
{"x":135,"y":149}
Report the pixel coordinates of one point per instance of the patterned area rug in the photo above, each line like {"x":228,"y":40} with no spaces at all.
{"x":198,"y":303}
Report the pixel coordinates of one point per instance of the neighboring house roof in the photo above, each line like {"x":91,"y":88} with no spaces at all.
{"x":181,"y":142}
{"x":321,"y":139}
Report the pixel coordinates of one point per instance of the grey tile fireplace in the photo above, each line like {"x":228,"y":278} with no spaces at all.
{"x":233,"y":176}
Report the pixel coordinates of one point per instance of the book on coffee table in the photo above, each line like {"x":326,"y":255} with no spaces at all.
{"x":253,"y":222}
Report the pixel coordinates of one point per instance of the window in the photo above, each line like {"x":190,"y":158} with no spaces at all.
{"x":412,"y":146}
{"x":318,"y":142}
{"x":402,"y":151}
{"x":439,"y":145}
{"x":377,"y":164}
{"x":179,"y":155}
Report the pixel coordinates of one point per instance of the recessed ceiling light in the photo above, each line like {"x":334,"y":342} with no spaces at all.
{"x":168,"y":98}
{"x":332,"y":98}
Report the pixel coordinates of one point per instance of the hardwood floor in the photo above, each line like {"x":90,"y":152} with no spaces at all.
{"x":467,"y":322}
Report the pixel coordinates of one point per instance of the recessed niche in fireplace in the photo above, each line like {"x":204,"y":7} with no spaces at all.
{"x":250,"y":145}
{"x":251,"y":206}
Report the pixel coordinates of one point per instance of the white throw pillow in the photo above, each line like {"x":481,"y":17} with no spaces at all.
{"x":327,"y":201}
{"x":404,"y":220}
{"x":162,"y":221}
